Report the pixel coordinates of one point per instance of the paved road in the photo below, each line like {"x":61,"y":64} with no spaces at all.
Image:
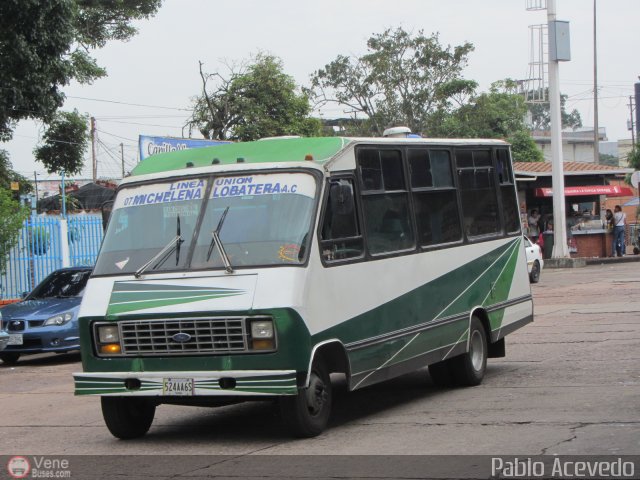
{"x":570,"y":384}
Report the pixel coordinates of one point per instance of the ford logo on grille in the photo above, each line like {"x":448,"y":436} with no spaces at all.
{"x":181,"y":337}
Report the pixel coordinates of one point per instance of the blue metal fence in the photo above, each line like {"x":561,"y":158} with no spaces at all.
{"x":85,"y":236}
{"x":41,"y":249}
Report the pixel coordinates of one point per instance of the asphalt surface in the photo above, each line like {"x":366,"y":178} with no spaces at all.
{"x":569,"y":385}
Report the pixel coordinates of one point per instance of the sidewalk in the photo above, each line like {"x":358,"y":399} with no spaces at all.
{"x":584,"y":261}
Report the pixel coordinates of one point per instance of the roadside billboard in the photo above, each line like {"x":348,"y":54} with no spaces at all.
{"x":153,"y":145}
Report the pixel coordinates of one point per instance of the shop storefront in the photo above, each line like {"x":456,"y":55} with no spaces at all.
{"x":589,"y":190}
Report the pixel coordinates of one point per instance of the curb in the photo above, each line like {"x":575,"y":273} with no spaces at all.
{"x":583,"y":262}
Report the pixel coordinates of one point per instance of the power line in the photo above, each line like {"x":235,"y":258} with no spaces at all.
{"x":130,"y":104}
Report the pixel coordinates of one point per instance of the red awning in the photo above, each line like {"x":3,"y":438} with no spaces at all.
{"x":608,"y":190}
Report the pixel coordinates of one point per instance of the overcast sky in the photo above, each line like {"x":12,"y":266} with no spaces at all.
{"x":152,"y":78}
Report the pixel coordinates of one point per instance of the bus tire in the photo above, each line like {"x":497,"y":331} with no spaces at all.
{"x":10,"y":358}
{"x":128,"y":417}
{"x":307,"y":413}
{"x":468,"y":369}
{"x":440,"y":374}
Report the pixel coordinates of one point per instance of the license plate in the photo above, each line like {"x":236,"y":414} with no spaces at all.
{"x":177,"y":386}
{"x":15,"y":339}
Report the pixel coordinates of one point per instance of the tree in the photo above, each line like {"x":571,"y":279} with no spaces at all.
{"x":402,"y":80}
{"x":498,"y":113}
{"x":12,"y":214}
{"x":253,"y":101}
{"x":606,"y":159}
{"x":44,"y":44}
{"x":523,"y":148}
{"x":65,"y":142}
{"x":633,"y":159}
{"x":541,"y":115}
{"x":8,"y":175}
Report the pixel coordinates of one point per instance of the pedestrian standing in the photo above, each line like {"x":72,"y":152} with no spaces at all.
{"x":619,"y":220}
{"x":533,"y":220}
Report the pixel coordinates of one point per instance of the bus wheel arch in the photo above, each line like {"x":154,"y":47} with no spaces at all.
{"x":334,"y":356}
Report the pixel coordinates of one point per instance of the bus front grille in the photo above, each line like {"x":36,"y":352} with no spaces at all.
{"x":183,"y":336}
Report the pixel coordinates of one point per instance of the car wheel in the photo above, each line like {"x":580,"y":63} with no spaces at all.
{"x":9,"y":358}
{"x":468,"y":369}
{"x":307,"y":413}
{"x":534,"y":276}
{"x":128,"y":417}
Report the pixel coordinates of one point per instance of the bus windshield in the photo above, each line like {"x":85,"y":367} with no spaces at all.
{"x":170,"y":226}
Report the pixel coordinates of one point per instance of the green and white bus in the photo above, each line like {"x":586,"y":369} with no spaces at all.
{"x":255,"y":270}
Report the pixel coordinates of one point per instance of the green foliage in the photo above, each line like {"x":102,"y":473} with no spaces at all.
{"x":12,"y":214}
{"x":496,"y":114}
{"x":7,"y":175}
{"x":606,"y":159}
{"x":45,"y":44}
{"x":541,"y":115}
{"x":65,"y":142}
{"x":402,"y":80}
{"x":523,"y":148}
{"x":633,"y":158}
{"x":258,"y":101}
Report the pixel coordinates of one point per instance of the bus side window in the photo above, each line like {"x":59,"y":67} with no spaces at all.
{"x":434,"y":197}
{"x":385,"y":201}
{"x":508,"y":192}
{"x":478,"y":192}
{"x":340,"y":237}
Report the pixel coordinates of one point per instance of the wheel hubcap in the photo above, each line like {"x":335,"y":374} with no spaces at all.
{"x":316,"y":395}
{"x":477,"y":350}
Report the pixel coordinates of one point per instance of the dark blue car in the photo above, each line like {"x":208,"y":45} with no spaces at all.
{"x":47,"y":319}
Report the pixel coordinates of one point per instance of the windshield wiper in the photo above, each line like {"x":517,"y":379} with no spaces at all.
{"x":218,"y":243}
{"x":162,"y":255}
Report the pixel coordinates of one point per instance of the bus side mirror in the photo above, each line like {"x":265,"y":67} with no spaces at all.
{"x":341,"y":197}
{"x":106,"y":213}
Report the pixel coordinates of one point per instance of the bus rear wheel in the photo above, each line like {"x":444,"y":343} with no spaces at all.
{"x":469,"y":368}
{"x":128,"y":417}
{"x":307,"y":413}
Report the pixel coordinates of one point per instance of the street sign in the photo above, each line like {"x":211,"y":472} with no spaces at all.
{"x":635,"y":179}
{"x":15,"y":186}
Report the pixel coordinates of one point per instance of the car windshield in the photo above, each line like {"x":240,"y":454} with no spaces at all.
{"x":61,"y":284}
{"x":267,"y":223}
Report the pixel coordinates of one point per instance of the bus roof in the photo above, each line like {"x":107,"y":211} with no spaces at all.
{"x":274,"y":150}
{"x":278,"y":150}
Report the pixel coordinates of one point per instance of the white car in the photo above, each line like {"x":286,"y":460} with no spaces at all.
{"x":534,"y":260}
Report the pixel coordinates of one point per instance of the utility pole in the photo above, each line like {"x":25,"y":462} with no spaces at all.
{"x":122,"y":157}
{"x":596,"y":132}
{"x":35,"y":182}
{"x":94,"y":157}
{"x":632,"y":128}
{"x":556,"y":54}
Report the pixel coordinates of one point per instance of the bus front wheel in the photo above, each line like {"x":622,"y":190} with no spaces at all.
{"x":307,"y":413}
{"x":128,"y":417}
{"x":468,"y":369}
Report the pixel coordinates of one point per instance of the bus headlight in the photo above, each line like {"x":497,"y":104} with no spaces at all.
{"x":262,"y":335}
{"x":109,"y":340}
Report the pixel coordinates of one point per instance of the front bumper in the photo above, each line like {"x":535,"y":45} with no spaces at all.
{"x":4,"y":338}
{"x":247,"y":383}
